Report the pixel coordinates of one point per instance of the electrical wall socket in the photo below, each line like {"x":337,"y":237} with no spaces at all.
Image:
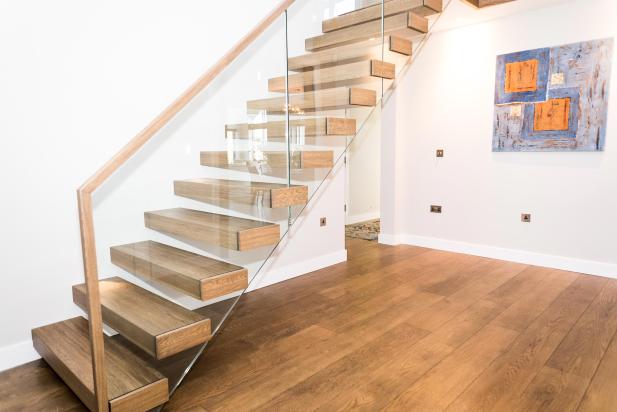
{"x":526,"y":217}
{"x":439,"y":152}
{"x":435,"y":209}
{"x":323,"y":222}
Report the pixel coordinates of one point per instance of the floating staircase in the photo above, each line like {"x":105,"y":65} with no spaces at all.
{"x":343,"y":70}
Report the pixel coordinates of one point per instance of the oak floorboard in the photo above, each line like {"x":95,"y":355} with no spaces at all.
{"x":397,"y":327}
{"x":561,"y":383}
{"x":502,"y":384}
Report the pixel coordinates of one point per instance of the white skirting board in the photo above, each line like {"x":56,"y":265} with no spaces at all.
{"x":23,"y":352}
{"x":589,"y":267}
{"x":353,"y":219}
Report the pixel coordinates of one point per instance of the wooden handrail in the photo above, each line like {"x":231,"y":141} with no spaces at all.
{"x":84,"y":196}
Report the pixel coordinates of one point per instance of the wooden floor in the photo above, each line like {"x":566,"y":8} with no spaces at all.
{"x":412,"y":329}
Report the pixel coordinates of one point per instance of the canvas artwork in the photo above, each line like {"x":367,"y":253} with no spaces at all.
{"x":553,"y":99}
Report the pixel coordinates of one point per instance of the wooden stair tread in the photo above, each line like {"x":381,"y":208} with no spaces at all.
{"x":199,"y":276}
{"x":374,"y":12}
{"x":299,"y":159}
{"x":226,"y":231}
{"x":132,"y":384}
{"x":276,"y":130}
{"x":364,"y":50}
{"x":406,"y":25}
{"x":329,"y":99}
{"x":158,"y":326}
{"x":271,"y":195}
{"x":336,"y":76}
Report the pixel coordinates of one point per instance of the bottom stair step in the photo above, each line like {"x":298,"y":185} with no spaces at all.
{"x":158,"y":326}
{"x":132,"y":384}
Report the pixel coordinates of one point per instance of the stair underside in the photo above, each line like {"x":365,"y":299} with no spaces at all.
{"x":159,"y":327}
{"x":277,"y":160}
{"x":321,"y":100}
{"x":407,"y":25}
{"x":199,"y":276}
{"x":370,"y":13}
{"x":365,"y":50}
{"x":222,"y":230}
{"x":131,"y":383}
{"x":276,"y":130}
{"x":336,"y":76}
{"x":221,"y":192}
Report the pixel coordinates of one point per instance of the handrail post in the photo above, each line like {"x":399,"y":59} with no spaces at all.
{"x":97,"y":345}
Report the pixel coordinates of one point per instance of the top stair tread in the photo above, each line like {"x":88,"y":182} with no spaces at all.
{"x":66,"y":347}
{"x":408,"y":25}
{"x":374,"y":12}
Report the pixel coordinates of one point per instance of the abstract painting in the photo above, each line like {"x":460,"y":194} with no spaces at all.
{"x":553,"y":99}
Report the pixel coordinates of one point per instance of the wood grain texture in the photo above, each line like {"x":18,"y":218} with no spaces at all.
{"x":404,"y":364}
{"x":93,"y":302}
{"x":400,"y":45}
{"x":299,"y":159}
{"x":320,"y":100}
{"x":199,"y":276}
{"x":158,"y":326}
{"x":372,"y":13}
{"x":371,"y":341}
{"x":331,"y":77}
{"x":132,"y":383}
{"x":259,"y":194}
{"x":226,"y":231}
{"x":364,"y":50}
{"x":36,"y":387}
{"x":277,"y":130}
{"x":407,"y":25}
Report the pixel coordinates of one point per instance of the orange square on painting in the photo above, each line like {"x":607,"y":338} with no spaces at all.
{"x":552,"y":115}
{"x":522,"y":76}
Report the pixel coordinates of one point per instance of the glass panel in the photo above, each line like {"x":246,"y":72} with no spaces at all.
{"x":212,"y":190}
{"x":240,"y":167}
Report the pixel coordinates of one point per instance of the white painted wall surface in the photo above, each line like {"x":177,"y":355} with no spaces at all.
{"x":77,"y":81}
{"x":363,"y":172}
{"x":446,"y":102}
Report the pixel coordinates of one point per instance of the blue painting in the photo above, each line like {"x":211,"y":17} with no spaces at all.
{"x":553,"y":99}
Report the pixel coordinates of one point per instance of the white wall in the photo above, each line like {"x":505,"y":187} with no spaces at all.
{"x":363,"y":172}
{"x":77,"y":81}
{"x":446,"y":102}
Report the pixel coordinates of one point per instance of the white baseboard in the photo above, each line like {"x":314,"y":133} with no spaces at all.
{"x":270,"y":277}
{"x":388,"y":239}
{"x":17,"y":354}
{"x":23,"y":352}
{"x":353,"y":219}
{"x":590,"y":267}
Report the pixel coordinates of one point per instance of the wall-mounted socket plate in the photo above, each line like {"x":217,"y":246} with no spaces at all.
{"x":439,"y":152}
{"x":323,"y":222}
{"x":435,"y":209}
{"x":526,"y":217}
